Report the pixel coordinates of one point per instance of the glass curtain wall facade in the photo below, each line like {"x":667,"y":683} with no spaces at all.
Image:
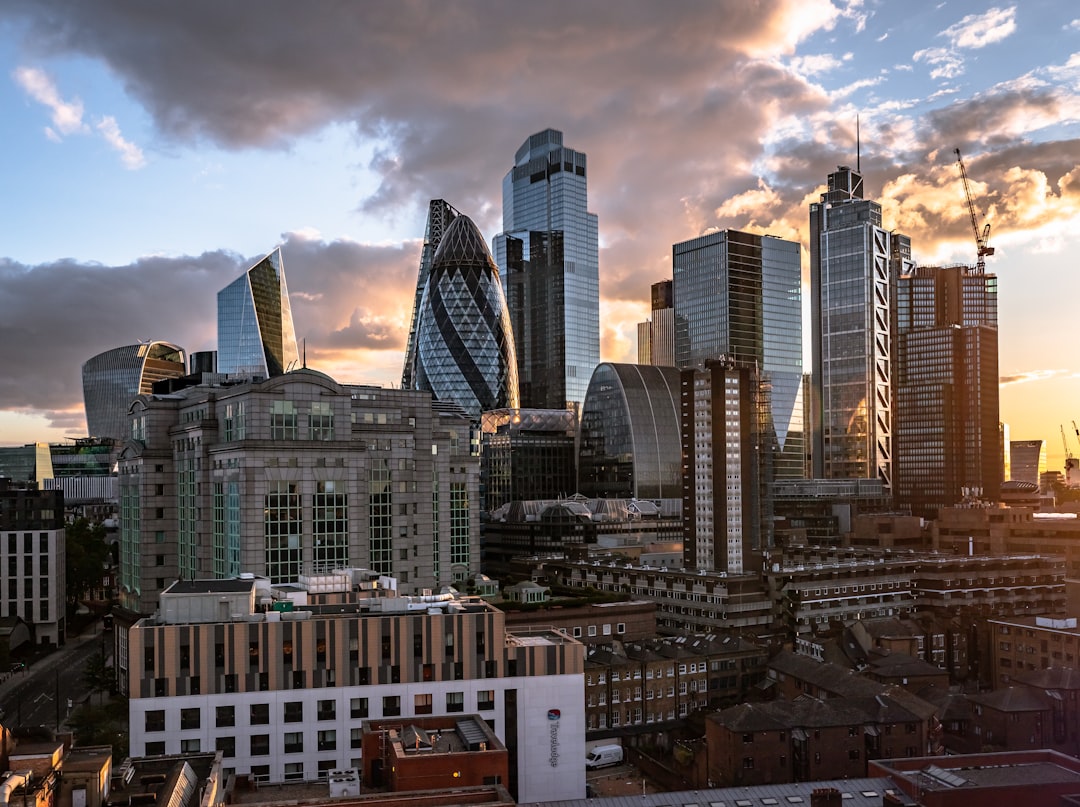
{"x":113,"y":378}
{"x":1028,"y":460}
{"x":547,"y":230}
{"x":656,"y":338}
{"x":256,"y":336}
{"x":630,"y":442}
{"x":465,"y":347}
{"x":853,"y":266}
{"x":739,"y":296}
{"x":527,"y":454}
{"x":947,"y":409}
{"x":440,"y":215}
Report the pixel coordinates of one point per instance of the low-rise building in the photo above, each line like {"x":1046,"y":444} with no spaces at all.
{"x":281,"y":678}
{"x":808,"y":738}
{"x":592,"y":623}
{"x":33,"y":575}
{"x":430,"y":753}
{"x":1027,"y":644}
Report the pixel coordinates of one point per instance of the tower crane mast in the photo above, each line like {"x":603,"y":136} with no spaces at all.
{"x":982,"y":239}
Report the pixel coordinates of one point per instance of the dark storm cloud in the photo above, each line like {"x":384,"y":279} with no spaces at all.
{"x":673,"y":103}
{"x":58,"y":315}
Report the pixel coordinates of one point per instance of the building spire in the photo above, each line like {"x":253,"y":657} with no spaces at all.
{"x":858,"y":147}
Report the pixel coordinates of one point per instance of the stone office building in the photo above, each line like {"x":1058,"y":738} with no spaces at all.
{"x":293,"y":475}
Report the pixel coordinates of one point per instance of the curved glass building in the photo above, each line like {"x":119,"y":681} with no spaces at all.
{"x":113,"y":378}
{"x":630,"y":443}
{"x":255,"y":327}
{"x":464,"y":345}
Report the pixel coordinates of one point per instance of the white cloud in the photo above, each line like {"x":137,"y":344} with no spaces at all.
{"x":66,"y":115}
{"x":944,"y":63}
{"x":814,"y":65}
{"x":979,"y":30}
{"x":130,"y":154}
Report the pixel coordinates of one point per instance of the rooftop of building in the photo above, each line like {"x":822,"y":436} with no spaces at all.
{"x":210,"y":586}
{"x":316,"y":794}
{"x":1067,"y":625}
{"x":829,"y":677}
{"x":174,"y":780}
{"x":988,"y":770}
{"x":1012,"y":699}
{"x":87,"y":758}
{"x":867,"y":792}
{"x":1049,"y":678}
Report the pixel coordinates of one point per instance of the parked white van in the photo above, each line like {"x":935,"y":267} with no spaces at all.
{"x":604,"y":755}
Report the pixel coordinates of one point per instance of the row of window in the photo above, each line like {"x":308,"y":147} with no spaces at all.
{"x":293,"y":711}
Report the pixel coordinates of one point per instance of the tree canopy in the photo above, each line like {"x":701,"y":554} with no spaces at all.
{"x":86,"y":556}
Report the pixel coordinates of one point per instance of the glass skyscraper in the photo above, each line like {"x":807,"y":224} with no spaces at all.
{"x":440,"y":214}
{"x":548,"y":257}
{"x":630,"y":439}
{"x":854,"y":263}
{"x":656,"y":337}
{"x":113,"y":378}
{"x":738,"y":296}
{"x":255,"y":327}
{"x":947,"y":414}
{"x":464,"y":345}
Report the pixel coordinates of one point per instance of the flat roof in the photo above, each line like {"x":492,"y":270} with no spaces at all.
{"x":854,"y":792}
{"x":209,"y":586}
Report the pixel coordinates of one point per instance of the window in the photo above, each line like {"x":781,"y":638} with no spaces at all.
{"x":259,"y":745}
{"x":226,"y":716}
{"x":155,"y":749}
{"x":620,"y":627}
{"x":592,"y":630}
{"x":485,"y":699}
{"x":853,"y":754}
{"x":391,"y":706}
{"x":294,"y":742}
{"x":455,"y":701}
{"x":282,"y":420}
{"x":355,"y":737}
{"x":226,"y":745}
{"x":190,"y":746}
{"x":328,"y":740}
{"x":294,"y":771}
{"x":748,"y":763}
{"x":190,"y":718}
{"x":294,"y":712}
{"x":260,"y":714}
{"x":327,"y":710}
{"x":155,"y":720}
{"x":358,"y":707}
{"x":422,"y":703}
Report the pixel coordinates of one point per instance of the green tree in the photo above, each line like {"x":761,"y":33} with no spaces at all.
{"x":86,"y":556}
{"x":102,"y":725}
{"x":97,"y":675}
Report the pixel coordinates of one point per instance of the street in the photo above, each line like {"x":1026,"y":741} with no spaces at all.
{"x":29,"y":698}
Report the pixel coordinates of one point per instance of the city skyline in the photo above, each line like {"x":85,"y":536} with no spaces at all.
{"x":131,"y":178}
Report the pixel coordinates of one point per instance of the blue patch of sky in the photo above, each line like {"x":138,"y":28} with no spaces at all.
{"x":76,"y":199}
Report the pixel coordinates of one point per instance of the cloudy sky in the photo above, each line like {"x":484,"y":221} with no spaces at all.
{"x":152,"y":151}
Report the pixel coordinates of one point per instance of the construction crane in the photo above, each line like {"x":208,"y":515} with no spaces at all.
{"x":982,"y":240}
{"x":1071,"y":462}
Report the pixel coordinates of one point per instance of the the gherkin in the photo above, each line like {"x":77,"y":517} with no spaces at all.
{"x":464,"y":347}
